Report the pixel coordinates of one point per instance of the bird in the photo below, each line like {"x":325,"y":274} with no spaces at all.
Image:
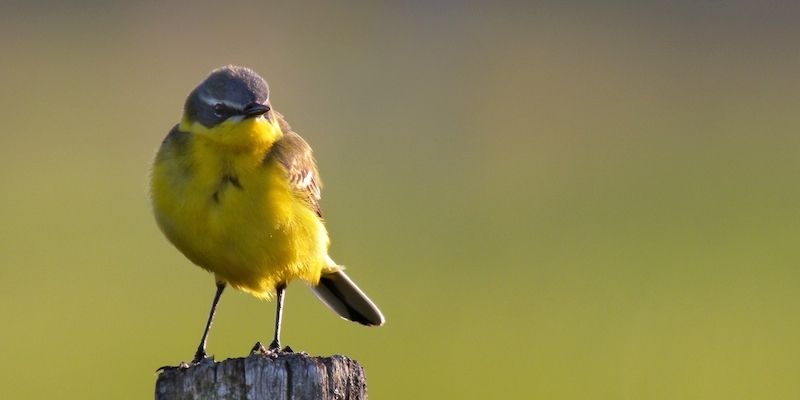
{"x":235,"y":190}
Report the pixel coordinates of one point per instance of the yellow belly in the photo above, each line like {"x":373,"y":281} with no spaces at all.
{"x":253,"y":234}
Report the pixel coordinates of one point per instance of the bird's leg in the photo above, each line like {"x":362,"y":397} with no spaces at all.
{"x":276,"y":342}
{"x":200,"y":355}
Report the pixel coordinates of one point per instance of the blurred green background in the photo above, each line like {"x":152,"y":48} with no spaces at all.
{"x":553,"y":200}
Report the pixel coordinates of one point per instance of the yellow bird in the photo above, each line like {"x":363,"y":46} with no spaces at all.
{"x":237,"y":192}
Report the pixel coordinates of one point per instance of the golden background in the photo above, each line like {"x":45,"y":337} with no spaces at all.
{"x":555,"y":201}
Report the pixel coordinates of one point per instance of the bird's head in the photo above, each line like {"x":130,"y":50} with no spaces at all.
{"x":230,"y":101}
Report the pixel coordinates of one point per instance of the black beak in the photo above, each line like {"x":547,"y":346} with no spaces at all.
{"x":255,"y":109}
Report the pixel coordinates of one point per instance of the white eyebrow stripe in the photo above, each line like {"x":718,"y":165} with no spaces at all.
{"x":211,"y":101}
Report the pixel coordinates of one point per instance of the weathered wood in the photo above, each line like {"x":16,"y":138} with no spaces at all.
{"x":285,"y":376}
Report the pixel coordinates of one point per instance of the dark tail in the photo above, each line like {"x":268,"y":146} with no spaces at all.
{"x":341,"y":295}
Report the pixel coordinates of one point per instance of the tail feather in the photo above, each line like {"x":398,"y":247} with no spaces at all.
{"x":341,"y":295}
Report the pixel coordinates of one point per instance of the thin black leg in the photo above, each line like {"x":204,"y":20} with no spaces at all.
{"x":276,"y":343}
{"x":201,"y":349}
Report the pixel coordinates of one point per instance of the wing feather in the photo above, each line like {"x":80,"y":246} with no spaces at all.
{"x":295,"y":155}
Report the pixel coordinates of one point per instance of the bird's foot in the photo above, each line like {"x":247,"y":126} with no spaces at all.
{"x":259,"y":348}
{"x":199,"y":357}
{"x":275,"y":347}
{"x":273,"y":350}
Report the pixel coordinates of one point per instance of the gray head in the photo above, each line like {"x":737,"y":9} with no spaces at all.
{"x":227,"y":92}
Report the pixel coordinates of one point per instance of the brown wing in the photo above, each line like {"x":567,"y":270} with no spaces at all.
{"x":294,"y":154}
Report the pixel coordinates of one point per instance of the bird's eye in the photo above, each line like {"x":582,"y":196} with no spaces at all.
{"x":220,"y":110}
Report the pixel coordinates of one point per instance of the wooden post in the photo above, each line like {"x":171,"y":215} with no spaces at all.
{"x":285,"y":376}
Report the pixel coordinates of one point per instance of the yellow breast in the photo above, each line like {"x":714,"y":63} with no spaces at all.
{"x":232,"y":213}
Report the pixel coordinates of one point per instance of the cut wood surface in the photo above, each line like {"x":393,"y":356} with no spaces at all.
{"x":295,"y":376}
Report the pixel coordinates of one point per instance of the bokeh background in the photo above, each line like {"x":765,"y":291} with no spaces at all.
{"x":548,"y":200}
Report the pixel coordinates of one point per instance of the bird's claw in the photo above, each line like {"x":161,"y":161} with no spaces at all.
{"x":273,"y":350}
{"x":259,"y":348}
